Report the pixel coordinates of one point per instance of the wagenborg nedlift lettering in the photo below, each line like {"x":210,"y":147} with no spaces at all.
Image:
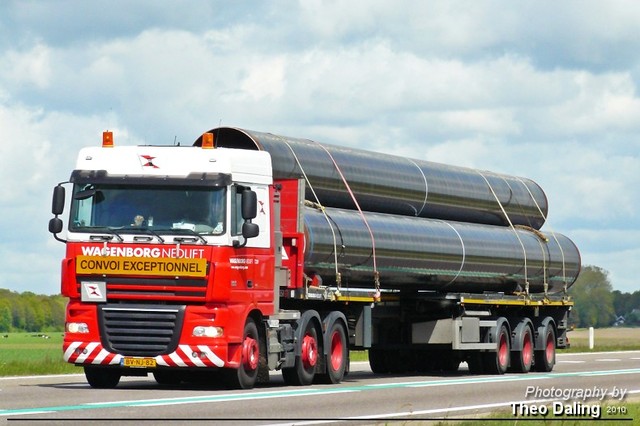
{"x":172,"y":252}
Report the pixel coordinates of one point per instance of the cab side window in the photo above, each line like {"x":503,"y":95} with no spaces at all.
{"x":236,"y":209}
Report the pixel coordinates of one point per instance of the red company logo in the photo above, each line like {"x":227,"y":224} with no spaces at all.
{"x":94,"y":291}
{"x":147,"y":161}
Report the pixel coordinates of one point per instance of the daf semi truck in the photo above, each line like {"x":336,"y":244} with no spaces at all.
{"x":249,"y":252}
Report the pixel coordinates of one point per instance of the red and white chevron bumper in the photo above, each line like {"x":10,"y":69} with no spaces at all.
{"x":185,"y":356}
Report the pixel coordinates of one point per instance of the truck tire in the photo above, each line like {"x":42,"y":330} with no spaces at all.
{"x":498,"y":362}
{"x":304,"y":370}
{"x":378,"y":361}
{"x":244,"y":377}
{"x":522,"y":356}
{"x":102,"y":378}
{"x":337,"y":355}
{"x":545,"y":359}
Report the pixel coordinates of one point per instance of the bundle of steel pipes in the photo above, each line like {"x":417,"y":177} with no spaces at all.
{"x":415,"y":223}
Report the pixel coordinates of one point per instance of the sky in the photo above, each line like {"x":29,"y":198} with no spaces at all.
{"x":542,"y":89}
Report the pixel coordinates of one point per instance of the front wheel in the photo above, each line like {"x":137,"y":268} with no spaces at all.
{"x":244,"y":377}
{"x":102,"y":378}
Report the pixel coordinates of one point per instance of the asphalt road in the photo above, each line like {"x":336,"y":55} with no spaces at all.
{"x":584,"y":386}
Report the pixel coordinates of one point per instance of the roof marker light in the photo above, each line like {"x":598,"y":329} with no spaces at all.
{"x":207,"y":141}
{"x":107,"y":139}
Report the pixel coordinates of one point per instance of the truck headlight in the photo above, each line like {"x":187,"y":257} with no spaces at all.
{"x":77,"y":327}
{"x":209,"y":331}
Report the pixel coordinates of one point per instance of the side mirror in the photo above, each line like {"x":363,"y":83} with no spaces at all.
{"x":250,"y":230}
{"x":55,"y":225}
{"x":57,"y":204}
{"x":57,"y":207}
{"x":249,"y":205}
{"x":249,"y":212}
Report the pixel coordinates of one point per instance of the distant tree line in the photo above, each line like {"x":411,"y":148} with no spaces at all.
{"x":31,"y":312}
{"x":596,"y":305}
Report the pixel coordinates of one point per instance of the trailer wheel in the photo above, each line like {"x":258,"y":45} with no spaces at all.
{"x":545,"y":359}
{"x":102,"y":378}
{"x":303,"y":372}
{"x":522,"y":358}
{"x":244,"y":377}
{"x":497,"y":362}
{"x":378,"y":361}
{"x":337,"y":355}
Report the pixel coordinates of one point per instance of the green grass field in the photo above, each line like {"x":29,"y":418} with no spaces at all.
{"x":24,"y":354}
{"x":606,"y":339}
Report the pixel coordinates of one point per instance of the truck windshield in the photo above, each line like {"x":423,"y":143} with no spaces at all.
{"x":156,"y":208}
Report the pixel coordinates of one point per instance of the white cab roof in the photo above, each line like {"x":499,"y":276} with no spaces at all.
{"x":175,"y":161}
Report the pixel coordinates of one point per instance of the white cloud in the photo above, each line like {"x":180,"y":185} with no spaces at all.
{"x":38,"y":150}
{"x":31,"y":67}
{"x":264,"y":80}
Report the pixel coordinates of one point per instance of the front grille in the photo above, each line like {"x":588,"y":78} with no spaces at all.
{"x":140,"y":330}
{"x":148,"y":289}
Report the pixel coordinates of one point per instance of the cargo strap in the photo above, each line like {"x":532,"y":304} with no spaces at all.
{"x":524,"y":250}
{"x":320,"y":207}
{"x":376,"y":274}
{"x":541,"y":239}
{"x":553,"y":234}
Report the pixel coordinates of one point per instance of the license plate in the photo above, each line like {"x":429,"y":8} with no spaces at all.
{"x":139,"y":362}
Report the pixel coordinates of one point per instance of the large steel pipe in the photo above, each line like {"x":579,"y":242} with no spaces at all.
{"x":431,"y":254}
{"x":395,"y":185}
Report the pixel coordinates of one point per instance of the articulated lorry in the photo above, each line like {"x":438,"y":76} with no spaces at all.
{"x":249,"y":252}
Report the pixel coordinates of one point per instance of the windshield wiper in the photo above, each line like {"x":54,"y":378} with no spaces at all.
{"x":106,"y":230}
{"x":149,"y":231}
{"x":185,"y":231}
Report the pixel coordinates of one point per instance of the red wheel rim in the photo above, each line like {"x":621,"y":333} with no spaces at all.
{"x":250,"y":353}
{"x":527,"y":350}
{"x":337,"y":350}
{"x":503,"y":350}
{"x":309,"y":351}
{"x":549,"y":349}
